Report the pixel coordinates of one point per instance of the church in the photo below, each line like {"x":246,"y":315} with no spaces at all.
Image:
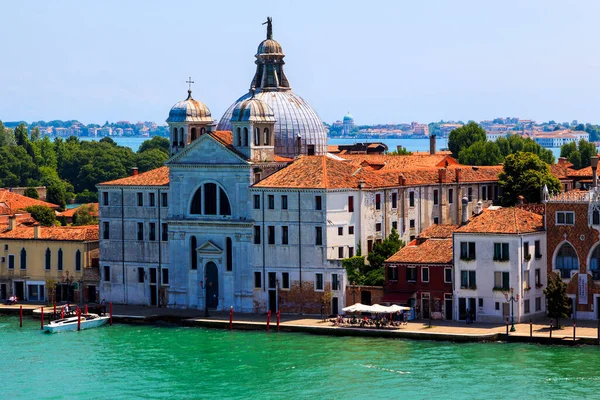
{"x":254,"y":213}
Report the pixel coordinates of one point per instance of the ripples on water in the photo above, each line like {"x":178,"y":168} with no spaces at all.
{"x":157,"y":362}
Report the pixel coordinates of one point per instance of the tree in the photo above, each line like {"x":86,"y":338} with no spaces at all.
{"x":465,"y":136}
{"x":556,"y":296}
{"x":400,"y":151}
{"x":56,"y":194}
{"x":580,"y":127}
{"x":156,"y":142}
{"x":151,"y":159}
{"x":578,"y":154}
{"x":42,"y":214}
{"x":83,"y":216}
{"x":375,"y":271}
{"x":481,"y":153}
{"x":86,"y":197}
{"x":525,"y":174}
{"x":31,"y":192}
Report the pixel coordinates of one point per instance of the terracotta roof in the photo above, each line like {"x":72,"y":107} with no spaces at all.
{"x":431,"y":251}
{"x":66,"y":233}
{"x":71,"y":211}
{"x":560,"y":171}
{"x":226,"y":138}
{"x":393,"y":162}
{"x":583,"y":172}
{"x":11,"y":202}
{"x":282,"y":159}
{"x":504,"y":220}
{"x":155,"y":177}
{"x":439,"y":231}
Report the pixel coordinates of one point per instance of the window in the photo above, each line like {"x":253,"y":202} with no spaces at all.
{"x":538,"y":250}
{"x":467,"y":251}
{"x":140,"y":199}
{"x":165,"y":276}
{"x":480,"y":303}
{"x":318,"y":281}
{"x":48,"y":258}
{"x":394,"y":200}
{"x":526,"y":280}
{"x":257,"y":235}
{"x":193,"y":257}
{"x":106,"y":274}
{"x":105,"y":230}
{"x":526,"y":306}
{"x":411,"y":274}
{"x":271,"y":201}
{"x":257,"y":280}
{"x":245,"y":137}
{"x":350,"y":252}
{"x":501,"y":280}
{"x":266,"y":138}
{"x":447,"y":275}
{"x":164,"y":232}
{"x":411,"y":238}
{"x":565,"y":218}
{"x":152,"y":199}
{"x":318,"y":203}
{"x":256,"y":177}
{"x":496,"y":192}
{"x":395,"y":225}
{"x":411,"y":224}
{"x":257,"y":202}
{"x":501,"y":252}
{"x":318,"y":236}
{"x":272,"y":280}
{"x":78,"y":260}
{"x":450,"y":196}
{"x":468,"y":280}
{"x":228,"y":254}
{"x":284,"y":235}
{"x":164,"y":199}
{"x":369,"y":245}
{"x":140,"y":231}
{"x":208,"y":200}
{"x":257,"y":137}
{"x":378,"y":201}
{"x":351,"y":230}
{"x":497,"y":306}
{"x":105,"y":198}
{"x":340,"y":231}
{"x":436,"y":199}
{"x":484,"y":193}
{"x":566,"y":260}
{"x":378,"y":227}
{"x":350,"y":203}
{"x":23,"y":258}
{"x":284,"y":204}
{"x":411,"y":199}
{"x":341,"y":252}
{"x":393,"y":273}
{"x":335,"y":282}
{"x":152,"y":234}
{"x":11,"y":261}
{"x":285,"y":280}
{"x":595,"y":217}
{"x":424,"y":274}
{"x":59,"y":265}
{"x":538,"y":304}
{"x":436,"y":220}
{"x":271,"y":234}
{"x":141,"y":275}
{"x":470,"y":194}
{"x":538,"y":279}
{"x":526,"y":254}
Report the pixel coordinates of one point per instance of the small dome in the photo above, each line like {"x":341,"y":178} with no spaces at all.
{"x":269,"y":47}
{"x":253,"y":110}
{"x":348,"y":117}
{"x":190,"y":110}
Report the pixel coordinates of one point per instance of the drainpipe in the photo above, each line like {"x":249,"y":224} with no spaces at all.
{"x":159,"y":237}
{"x":123,"y":245}
{"x":299,"y":240}
{"x":263,"y":243}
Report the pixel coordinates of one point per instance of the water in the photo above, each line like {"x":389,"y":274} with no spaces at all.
{"x":157,"y":362}
{"x":133,"y":142}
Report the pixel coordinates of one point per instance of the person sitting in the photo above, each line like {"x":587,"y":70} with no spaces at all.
{"x":11,"y":300}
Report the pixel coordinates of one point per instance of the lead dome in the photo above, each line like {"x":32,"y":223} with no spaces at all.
{"x":252,"y":110}
{"x":190,"y":110}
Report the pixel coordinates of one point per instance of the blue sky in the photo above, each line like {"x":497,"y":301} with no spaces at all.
{"x":384,"y":61}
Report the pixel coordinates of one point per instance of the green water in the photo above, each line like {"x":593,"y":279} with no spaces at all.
{"x":126,"y":361}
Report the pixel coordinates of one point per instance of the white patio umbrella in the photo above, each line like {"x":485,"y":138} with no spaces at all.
{"x":358,"y":307}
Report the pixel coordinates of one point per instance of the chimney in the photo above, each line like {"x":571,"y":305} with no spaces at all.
{"x":134,"y":171}
{"x":36,"y":231}
{"x":458,"y":174}
{"x":442,"y":175}
{"x":361,"y":183}
{"x":594,"y":163}
{"x":12,"y":222}
{"x":465,"y":210}
{"x":479,"y":208}
{"x":432,"y":144}
{"x":401,"y":180}
{"x":562,"y":160}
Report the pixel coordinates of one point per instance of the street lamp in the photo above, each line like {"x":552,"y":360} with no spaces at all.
{"x":512,"y":300}
{"x":354,"y":291}
{"x":205,"y":287}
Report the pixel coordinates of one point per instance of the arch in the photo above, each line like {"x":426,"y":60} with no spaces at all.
{"x":246,"y":137}
{"x":60,"y":260}
{"x":193,"y":258}
{"x":238,"y":135}
{"x":23,"y":258}
{"x":257,"y":136}
{"x":174,"y":137}
{"x":211,"y":282}
{"x":228,"y":254}
{"x":48,"y":265}
{"x":181,"y":137}
{"x":194,"y":137}
{"x":202,"y":131}
{"x":566,"y":260}
{"x":593,"y":264}
{"x":267,"y":137}
{"x":78,"y":260}
{"x":210,"y":199}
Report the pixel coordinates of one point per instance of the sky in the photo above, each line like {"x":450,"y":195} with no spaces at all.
{"x":384,"y":61}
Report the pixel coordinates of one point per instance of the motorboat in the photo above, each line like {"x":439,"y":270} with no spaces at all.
{"x":86,"y":321}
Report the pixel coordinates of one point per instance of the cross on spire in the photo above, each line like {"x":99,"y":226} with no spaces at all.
{"x":189,"y":82}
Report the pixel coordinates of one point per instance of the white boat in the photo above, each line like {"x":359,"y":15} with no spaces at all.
{"x":70,"y":324}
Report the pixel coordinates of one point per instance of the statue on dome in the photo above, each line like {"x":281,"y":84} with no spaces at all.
{"x":269,"y":23}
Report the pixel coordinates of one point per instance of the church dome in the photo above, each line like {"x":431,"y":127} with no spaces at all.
{"x":253,"y":110}
{"x":348,"y":117}
{"x":269,"y":47}
{"x":190,"y":110}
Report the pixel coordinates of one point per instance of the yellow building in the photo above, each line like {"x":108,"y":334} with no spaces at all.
{"x":33,"y":257}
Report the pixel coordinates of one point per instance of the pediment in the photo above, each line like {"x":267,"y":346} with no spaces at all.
{"x":206,"y":150}
{"x":209,"y":248}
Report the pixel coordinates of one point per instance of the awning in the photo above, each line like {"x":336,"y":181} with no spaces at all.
{"x":397,"y":298}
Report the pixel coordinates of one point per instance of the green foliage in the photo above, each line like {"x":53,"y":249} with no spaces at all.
{"x":515,"y":143}
{"x":57,"y":194}
{"x":556,"y":296}
{"x":83,"y":216}
{"x":481,"y":153}
{"x":355,"y":268}
{"x":525,"y":174}
{"x":31,"y":192}
{"x":156,"y":142}
{"x":151,"y":159}
{"x":465,"y":136}
{"x":7,"y":137}
{"x":401,"y":151}
{"x":579,"y":127}
{"x":86,"y":197}
{"x":579,"y":154}
{"x":42,"y":214}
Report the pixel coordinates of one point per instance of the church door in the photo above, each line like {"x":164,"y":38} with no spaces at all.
{"x":212,"y":282}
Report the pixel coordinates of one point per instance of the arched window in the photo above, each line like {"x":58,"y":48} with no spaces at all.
{"x":23,"y":258}
{"x":246,"y":137}
{"x":239,"y":137}
{"x":197,"y":202}
{"x":566,"y":260}
{"x":224,"y":207}
{"x":202,"y":130}
{"x":78,"y":260}
{"x":257,"y":137}
{"x":267,"y":138}
{"x":214,"y":202}
{"x":48,"y":259}
{"x":194,"y":137}
{"x":193,"y":258}
{"x":228,"y":254}
{"x":174,"y":138}
{"x":595,"y":263}
{"x":180,"y":137}
{"x":60,"y":260}
{"x":210,"y":199}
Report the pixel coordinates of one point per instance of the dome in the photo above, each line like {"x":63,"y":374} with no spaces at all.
{"x":253,"y":110}
{"x":269,"y":46}
{"x":190,"y":110}
{"x":294,"y":118}
{"x":348,"y":117}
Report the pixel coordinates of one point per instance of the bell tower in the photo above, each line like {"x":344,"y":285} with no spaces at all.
{"x":253,"y":123}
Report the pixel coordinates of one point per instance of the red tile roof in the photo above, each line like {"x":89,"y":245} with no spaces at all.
{"x":431,"y":251}
{"x":66,"y":233}
{"x":155,"y":177}
{"x":71,"y":211}
{"x":439,"y":231}
{"x":11,"y":202}
{"x":394,"y":162}
{"x":504,"y":220}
